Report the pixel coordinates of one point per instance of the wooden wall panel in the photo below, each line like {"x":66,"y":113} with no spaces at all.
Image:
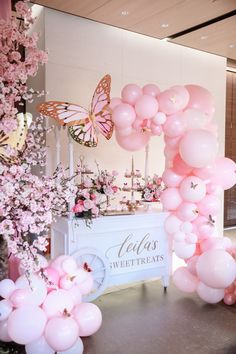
{"x":230,"y":147}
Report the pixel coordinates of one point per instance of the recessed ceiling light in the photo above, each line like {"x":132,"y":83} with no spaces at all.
{"x":204,"y":37}
{"x":165,"y":39}
{"x":232,"y":45}
{"x":165,"y":25}
{"x":124,"y":13}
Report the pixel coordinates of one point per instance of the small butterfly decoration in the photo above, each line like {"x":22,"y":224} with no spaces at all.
{"x":193,"y":186}
{"x":211,"y":221}
{"x":15,"y":141}
{"x":84,"y":125}
{"x":86,"y":267}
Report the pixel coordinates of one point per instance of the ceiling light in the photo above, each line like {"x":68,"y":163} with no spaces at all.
{"x":232,"y":46}
{"x":204,"y":37}
{"x":165,"y":25}
{"x":124,"y":13}
{"x":166,"y":39}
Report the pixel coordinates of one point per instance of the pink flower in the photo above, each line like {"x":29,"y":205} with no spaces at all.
{"x":78,"y":208}
{"x":88,"y":204}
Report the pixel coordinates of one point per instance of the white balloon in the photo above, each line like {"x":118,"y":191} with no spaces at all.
{"x":39,"y":346}
{"x":5,"y":309}
{"x":77,"y":348}
{"x":7,"y":286}
{"x":184,"y":250}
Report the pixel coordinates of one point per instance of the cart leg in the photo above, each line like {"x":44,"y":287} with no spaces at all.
{"x":165,"y":282}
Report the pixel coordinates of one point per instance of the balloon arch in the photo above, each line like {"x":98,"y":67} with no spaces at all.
{"x":194,"y":177}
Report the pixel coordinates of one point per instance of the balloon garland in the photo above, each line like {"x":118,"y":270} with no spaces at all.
{"x":194,"y":177}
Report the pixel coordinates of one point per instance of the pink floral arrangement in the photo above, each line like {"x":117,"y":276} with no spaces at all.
{"x":104,"y":182}
{"x":19,"y":59}
{"x":86,"y":205}
{"x":153,"y":189}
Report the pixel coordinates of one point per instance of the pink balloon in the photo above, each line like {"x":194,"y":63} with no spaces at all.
{"x":22,"y":297}
{"x":66,"y":282}
{"x":225,"y":173}
{"x":205,"y":172}
{"x":180,"y":167}
{"x":69,"y":265}
{"x":5,"y":309}
{"x":171,"y":179}
{"x":214,"y":243}
{"x":209,"y":205}
{"x":173,"y":100}
{"x":151,"y":90}
{"x":192,"y":189}
{"x":191,"y":238}
{"x":39,"y":346}
{"x":208,"y":294}
{"x":61,"y":333}
{"x":56,"y":264}
{"x":216,"y":268}
{"x":191,"y":265}
{"x":7,"y":286}
{"x":172,"y":224}
{"x":187,"y":211}
{"x":203,"y":228}
{"x":179,"y":236}
{"x":156,"y":129}
{"x":80,"y":275}
{"x":131,"y":93}
{"x":75,"y":294}
{"x":170,"y":153}
{"x":137,"y":125}
{"x":56,"y":302}
{"x":198,"y":148}
{"x":37,"y":287}
{"x":160,"y":118}
{"x":229,"y":299}
{"x":186,"y":227}
{"x":26,"y":324}
{"x":115,"y":101}
{"x":175,"y":125}
{"x":4,"y":336}
{"x":195,"y":119}
{"x":146,"y":106}
{"x":200,"y":98}
{"x":170,"y":199}
{"x":184,"y":280}
{"x":125,"y":131}
{"x":172,"y":142}
{"x":87,"y":286}
{"x":133,"y":142}
{"x":88,"y":317}
{"x":123,"y":115}
{"x":184,"y":250}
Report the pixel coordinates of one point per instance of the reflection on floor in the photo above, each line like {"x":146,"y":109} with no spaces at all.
{"x":231,"y":233}
{"x":144,"y":320}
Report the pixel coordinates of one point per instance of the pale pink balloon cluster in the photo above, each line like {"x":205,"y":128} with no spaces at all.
{"x":136,"y":116}
{"x":194,"y":176}
{"x":47,"y":315}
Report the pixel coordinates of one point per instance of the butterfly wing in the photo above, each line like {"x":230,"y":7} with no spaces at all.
{"x":63,"y":112}
{"x":15,"y":140}
{"x":84,"y":133}
{"x":100,"y":109}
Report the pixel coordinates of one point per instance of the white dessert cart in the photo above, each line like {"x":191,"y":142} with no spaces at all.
{"x":118,"y":249}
